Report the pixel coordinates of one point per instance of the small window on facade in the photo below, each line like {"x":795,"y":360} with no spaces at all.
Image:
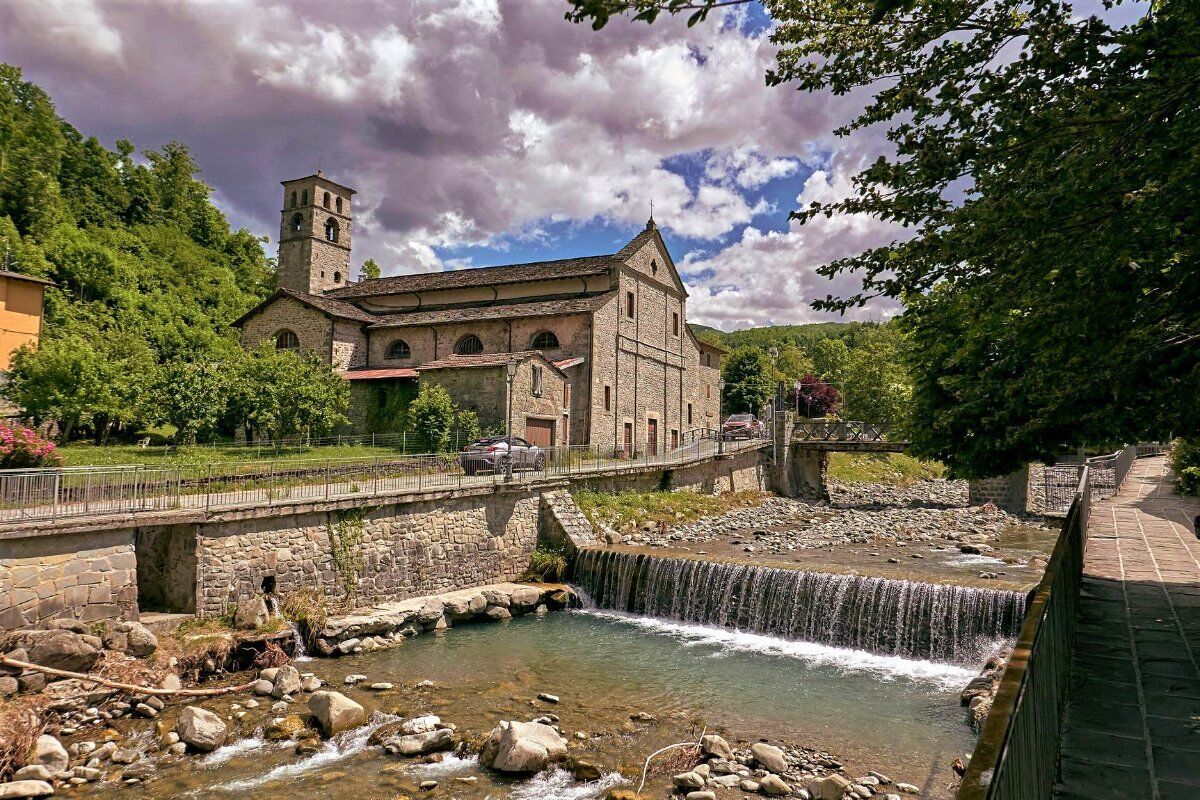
{"x":304,"y":197}
{"x":566,"y":395}
{"x":537,"y":381}
{"x":325,"y":200}
{"x":546,"y":340}
{"x":629,"y":304}
{"x":331,"y":230}
{"x":293,"y":199}
{"x":708,"y":393}
{"x":287,"y":340}
{"x":399,"y":349}
{"x":297,"y":221}
{"x":468,"y":345}
{"x":653,"y":267}
{"x":675,"y":323}
{"x":338,"y":204}
{"x":337,"y":277}
{"x":608,"y":398}
{"x":689,"y":413}
{"x":674,"y":439}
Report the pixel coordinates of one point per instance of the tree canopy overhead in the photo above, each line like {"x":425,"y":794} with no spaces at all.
{"x":1044,"y":162}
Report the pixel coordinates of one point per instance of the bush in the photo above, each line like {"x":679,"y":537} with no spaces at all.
{"x":21,"y":447}
{"x":431,"y":417}
{"x":1185,"y":462}
{"x":815,"y":398}
{"x":546,"y":566}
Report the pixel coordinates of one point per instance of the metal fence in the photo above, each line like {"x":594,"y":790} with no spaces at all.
{"x":840,"y":431}
{"x":403,"y":442}
{"x":1108,"y":472}
{"x":49,"y":494}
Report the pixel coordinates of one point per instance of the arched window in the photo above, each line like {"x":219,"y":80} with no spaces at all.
{"x":297,"y":221}
{"x":399,"y":349}
{"x":338,"y":203}
{"x":337,"y":277}
{"x":546,"y":340}
{"x":293,"y":199}
{"x":287,"y":340}
{"x":468,"y":345}
{"x":653,"y":267}
{"x":304,"y":197}
{"x":331,"y":230}
{"x":325,"y":200}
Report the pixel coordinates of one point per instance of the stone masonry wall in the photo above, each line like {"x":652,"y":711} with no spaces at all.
{"x":311,"y":327}
{"x":83,"y":576}
{"x":1008,"y":492}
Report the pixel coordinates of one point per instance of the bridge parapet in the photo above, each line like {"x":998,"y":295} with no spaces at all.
{"x":847,"y":435}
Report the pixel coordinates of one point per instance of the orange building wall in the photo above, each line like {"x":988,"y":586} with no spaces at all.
{"x":20,"y":316}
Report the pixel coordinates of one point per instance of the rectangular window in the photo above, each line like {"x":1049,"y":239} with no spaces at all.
{"x":689,"y":413}
{"x":537,"y":381}
{"x":629,"y":305}
{"x":674,"y":439}
{"x":566,"y":395}
{"x":675,"y":323}
{"x":608,"y":398}
{"x":708,"y":393}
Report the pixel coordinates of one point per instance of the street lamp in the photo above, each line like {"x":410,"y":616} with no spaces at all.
{"x":508,"y":427}
{"x":720,"y":411}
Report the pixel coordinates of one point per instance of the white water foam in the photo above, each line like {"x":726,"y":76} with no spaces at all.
{"x":239,"y":748}
{"x":451,"y":764}
{"x":944,"y":676}
{"x":972,"y":559}
{"x":557,"y":784}
{"x":339,"y":748}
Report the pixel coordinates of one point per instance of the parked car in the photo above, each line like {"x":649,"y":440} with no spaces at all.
{"x":494,"y":452}
{"x":743,"y":426}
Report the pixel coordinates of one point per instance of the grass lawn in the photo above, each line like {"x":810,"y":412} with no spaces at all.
{"x":628,"y":508}
{"x":80,"y":454}
{"x":894,"y":468}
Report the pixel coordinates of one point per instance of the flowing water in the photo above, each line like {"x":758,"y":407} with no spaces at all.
{"x":897,"y":715}
{"x":880,"y":615}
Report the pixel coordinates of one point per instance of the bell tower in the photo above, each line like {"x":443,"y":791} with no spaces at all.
{"x":314,"y":235}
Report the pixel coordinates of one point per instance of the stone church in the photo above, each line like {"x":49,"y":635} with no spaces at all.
{"x":599,"y":346}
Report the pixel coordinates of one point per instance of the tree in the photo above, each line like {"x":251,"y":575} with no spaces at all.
{"x":1044,"y":166}
{"x":876,"y":385}
{"x":280,"y":394}
{"x":370,"y":270}
{"x":814,"y":397}
{"x":431,"y":417}
{"x":748,"y":381}
{"x":193,"y":396}
{"x":793,"y":364}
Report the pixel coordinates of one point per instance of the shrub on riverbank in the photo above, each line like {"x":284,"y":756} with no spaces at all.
{"x":890,"y":468}
{"x":1185,"y":463}
{"x":625,"y":509}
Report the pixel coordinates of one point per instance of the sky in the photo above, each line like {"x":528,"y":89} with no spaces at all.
{"x":481,"y":132}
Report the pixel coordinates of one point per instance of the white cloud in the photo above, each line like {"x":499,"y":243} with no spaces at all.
{"x":65,"y":25}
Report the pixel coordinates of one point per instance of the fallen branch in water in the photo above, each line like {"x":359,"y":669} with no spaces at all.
{"x":646,"y":766}
{"x":129,"y":687}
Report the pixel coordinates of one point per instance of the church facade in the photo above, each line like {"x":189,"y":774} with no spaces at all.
{"x":598,"y":348}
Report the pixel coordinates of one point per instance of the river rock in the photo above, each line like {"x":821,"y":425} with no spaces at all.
{"x":498,"y":614}
{"x":688,"y":780}
{"x":716,"y":746}
{"x":831,"y":787}
{"x":423,"y":724}
{"x":769,"y":757}
{"x":418,"y":744}
{"x":281,"y":728}
{"x":335,"y":712}
{"x":774,"y":786}
{"x":58,"y":649}
{"x":522,"y":747}
{"x":702,"y":794}
{"x":8,"y":685}
{"x":286,"y":682}
{"x":132,"y":638}
{"x":50,"y":753}
{"x":34,"y":772}
{"x":310,"y":683}
{"x":525,"y":598}
{"x":458,"y":608}
{"x":582,"y":770}
{"x":908,"y":788}
{"x":25,"y":789}
{"x":251,"y":613}
{"x":200,"y":729}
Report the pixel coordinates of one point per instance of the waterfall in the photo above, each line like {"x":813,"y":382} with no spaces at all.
{"x":893,"y":617}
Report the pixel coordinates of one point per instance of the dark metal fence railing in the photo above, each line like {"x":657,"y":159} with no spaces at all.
{"x":1107,"y":474}
{"x":840,"y":431}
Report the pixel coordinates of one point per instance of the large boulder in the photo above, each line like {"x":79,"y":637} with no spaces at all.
{"x":522,"y":747}
{"x":525,"y":598}
{"x":50,"y":753}
{"x":287,"y":681}
{"x":251,"y":613}
{"x":419,"y":744}
{"x":335,"y":712}
{"x":25,"y":789}
{"x":774,"y":786}
{"x":132,"y":638}
{"x":200,"y":729}
{"x":769,"y":757}
{"x":831,"y":787}
{"x":58,"y":649}
{"x":714,"y":745}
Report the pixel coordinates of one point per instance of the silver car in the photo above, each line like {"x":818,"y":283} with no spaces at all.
{"x":494,"y":453}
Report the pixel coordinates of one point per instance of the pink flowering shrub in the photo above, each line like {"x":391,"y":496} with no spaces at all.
{"x":23,"y":447}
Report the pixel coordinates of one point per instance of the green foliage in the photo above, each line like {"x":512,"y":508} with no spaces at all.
{"x":387,"y":406}
{"x":467,"y":422}
{"x":147,"y":270}
{"x":431,"y":417}
{"x":893,"y":468}
{"x":748,"y":381}
{"x":546,"y":566}
{"x":280,"y":394}
{"x":346,"y":534}
{"x":1185,"y":463}
{"x":626,"y":509}
{"x":193,"y":396}
{"x":370,"y":270}
{"x":1044,"y":167}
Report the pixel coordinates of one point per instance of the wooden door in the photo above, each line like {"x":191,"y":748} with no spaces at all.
{"x":540,"y":432}
{"x":628,"y":439}
{"x":651,"y":437}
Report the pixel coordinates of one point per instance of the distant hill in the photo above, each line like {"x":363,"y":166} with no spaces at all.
{"x":766,"y":337}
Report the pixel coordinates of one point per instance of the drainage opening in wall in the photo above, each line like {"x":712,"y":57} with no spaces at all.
{"x":268,"y":584}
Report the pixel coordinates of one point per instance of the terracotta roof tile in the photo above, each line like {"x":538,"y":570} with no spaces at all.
{"x":477,"y":276}
{"x":537,"y":308}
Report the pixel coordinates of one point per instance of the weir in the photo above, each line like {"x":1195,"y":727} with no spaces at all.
{"x":893,"y":617}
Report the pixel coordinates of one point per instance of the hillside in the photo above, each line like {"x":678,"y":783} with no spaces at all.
{"x":766,"y":337}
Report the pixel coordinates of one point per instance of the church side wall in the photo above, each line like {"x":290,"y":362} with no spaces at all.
{"x":311,"y":326}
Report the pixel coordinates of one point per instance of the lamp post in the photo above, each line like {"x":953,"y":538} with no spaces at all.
{"x":720,"y":411}
{"x":512,"y":375}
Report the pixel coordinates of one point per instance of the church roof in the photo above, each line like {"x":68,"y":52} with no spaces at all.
{"x":325,"y":304}
{"x":517,"y":310}
{"x":478,"y":276}
{"x":486,"y":360}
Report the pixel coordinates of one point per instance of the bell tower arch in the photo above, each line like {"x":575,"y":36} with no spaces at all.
{"x":314,"y":234}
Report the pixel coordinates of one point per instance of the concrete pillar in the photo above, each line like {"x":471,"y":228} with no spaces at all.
{"x":780,"y":475}
{"x":808,"y":470}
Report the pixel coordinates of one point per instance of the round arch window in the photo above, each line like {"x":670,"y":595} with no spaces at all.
{"x":399,"y":349}
{"x":331,"y":230}
{"x":337,"y":277}
{"x":297,"y":221}
{"x":325,"y":200}
{"x":468,"y":345}
{"x":287,"y":340}
{"x":546,"y":340}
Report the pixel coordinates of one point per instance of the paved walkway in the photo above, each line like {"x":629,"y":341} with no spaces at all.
{"x":1133,"y":722}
